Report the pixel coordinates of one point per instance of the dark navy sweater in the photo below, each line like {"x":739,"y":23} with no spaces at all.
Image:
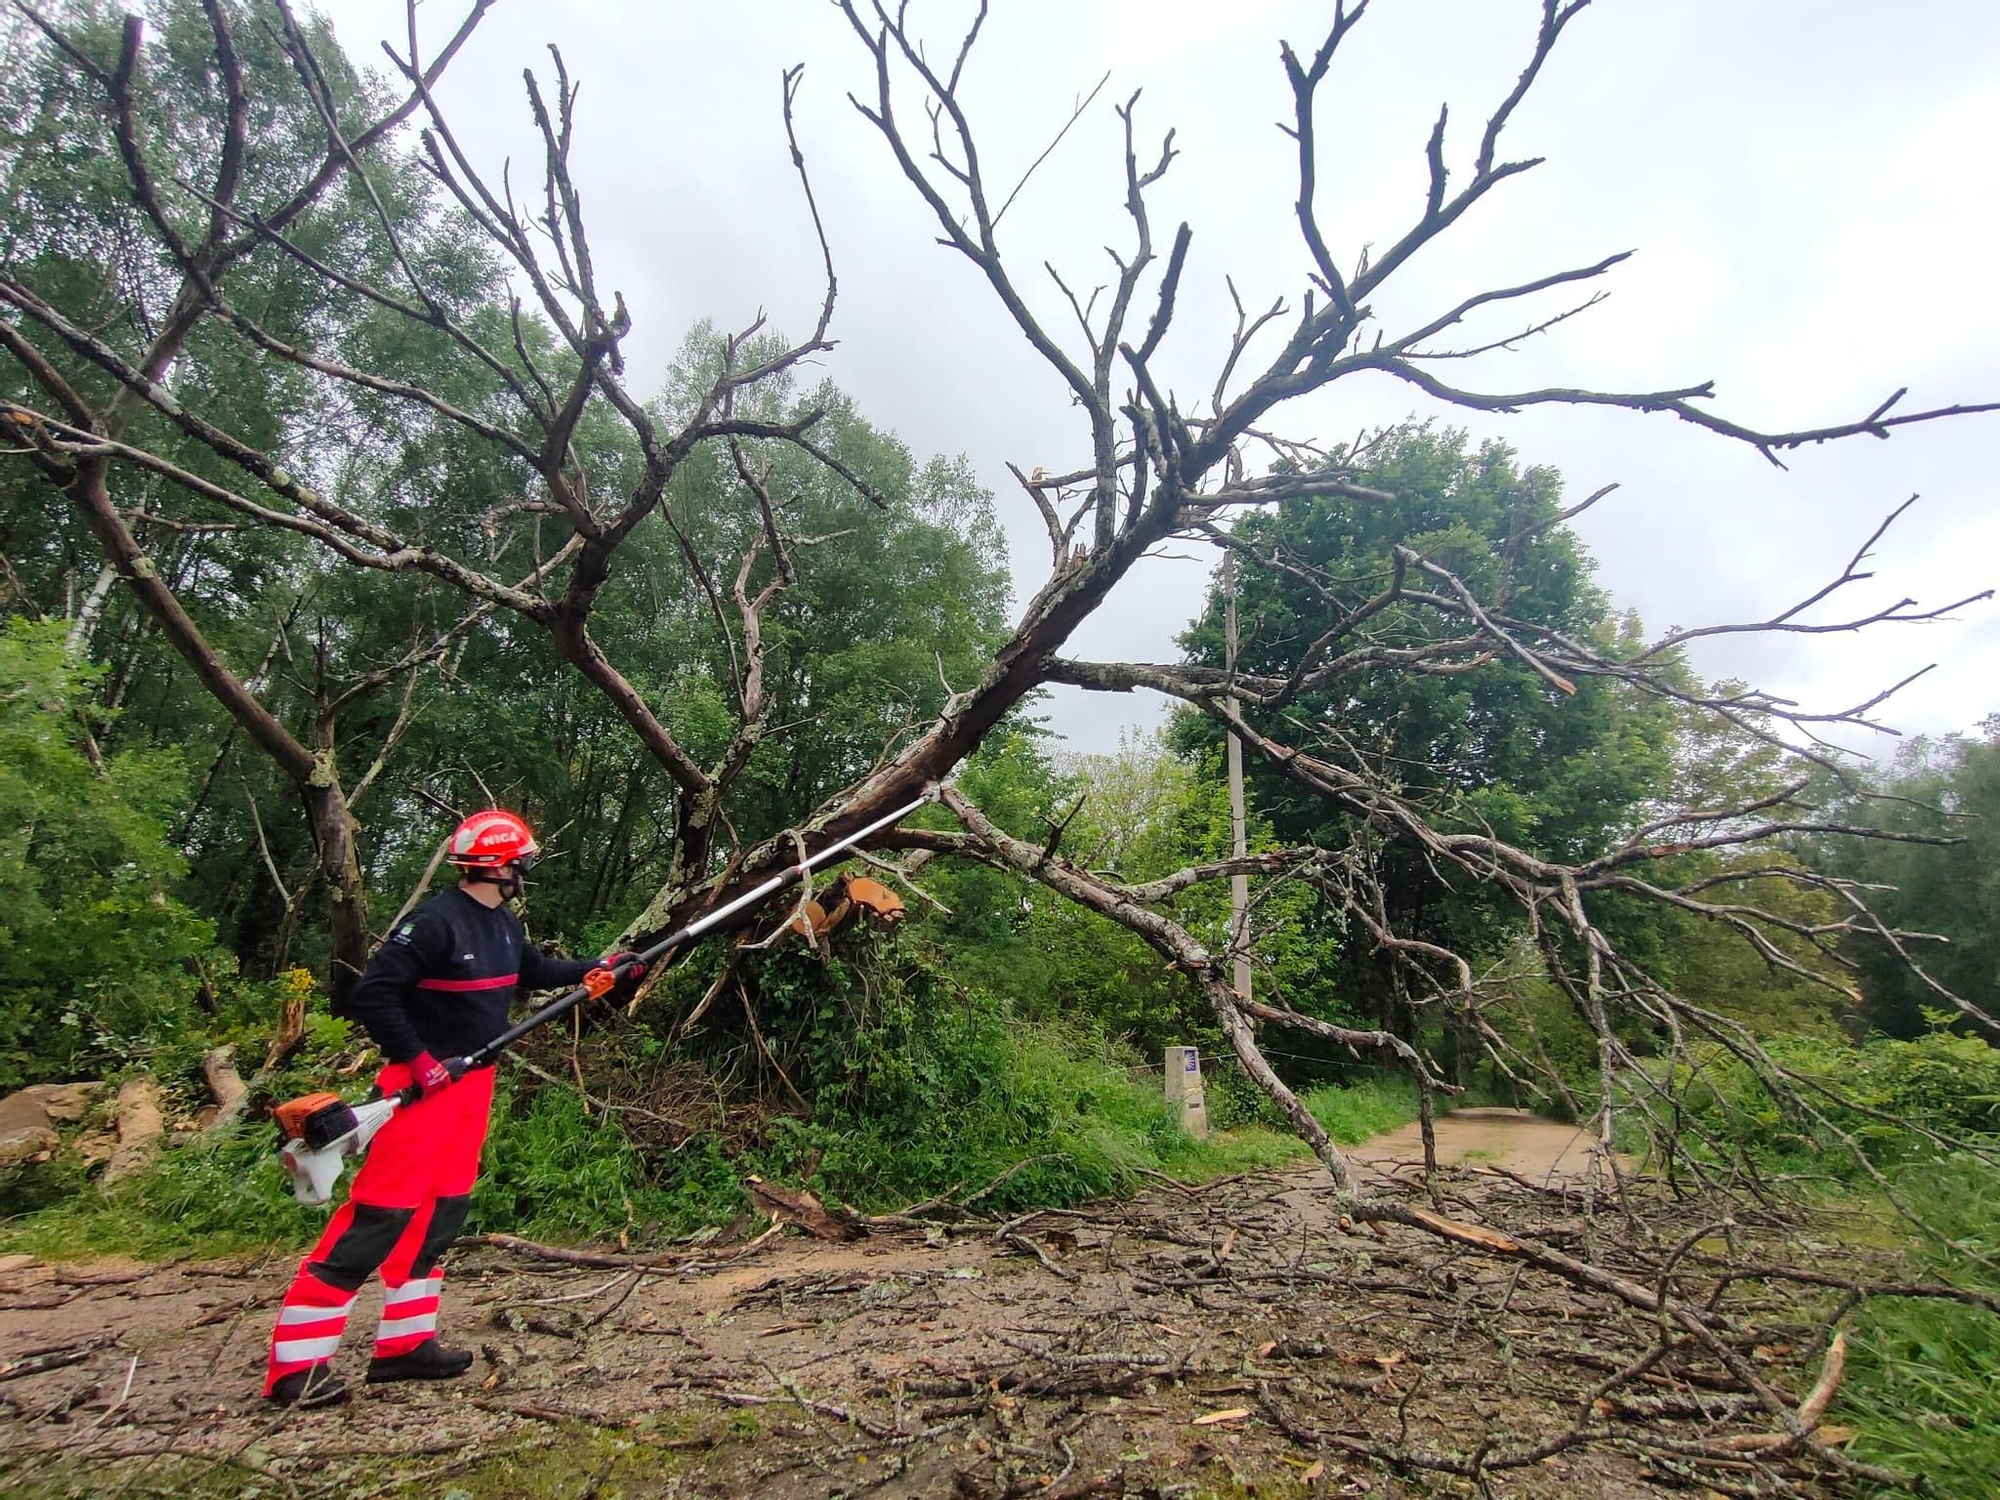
{"x":445,"y":978}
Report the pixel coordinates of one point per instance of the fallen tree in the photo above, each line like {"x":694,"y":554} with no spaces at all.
{"x":1149,"y":468}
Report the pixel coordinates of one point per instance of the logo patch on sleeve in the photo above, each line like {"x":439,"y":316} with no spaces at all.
{"x":404,"y":934}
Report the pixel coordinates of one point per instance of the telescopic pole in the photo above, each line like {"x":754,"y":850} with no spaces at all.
{"x":788,"y":876}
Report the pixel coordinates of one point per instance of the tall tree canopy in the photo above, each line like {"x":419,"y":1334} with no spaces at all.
{"x":1935,"y":788}
{"x":379,"y":695}
{"x":1558,"y":768}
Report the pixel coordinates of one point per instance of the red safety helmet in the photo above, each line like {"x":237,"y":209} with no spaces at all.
{"x":491,"y":840}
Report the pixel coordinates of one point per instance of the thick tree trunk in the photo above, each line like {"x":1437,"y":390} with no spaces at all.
{"x":335,"y":832}
{"x":1064,"y":603}
{"x":312,"y":774}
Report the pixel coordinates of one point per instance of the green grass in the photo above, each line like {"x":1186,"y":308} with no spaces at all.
{"x":1359,"y":1111}
{"x":586,"y":1460}
{"x":1923,"y":1385}
{"x":648,"y":1458}
{"x":1923,"y":1377}
{"x":1925,"y":1396}
{"x":206,"y":1197}
{"x":1054,"y":1112}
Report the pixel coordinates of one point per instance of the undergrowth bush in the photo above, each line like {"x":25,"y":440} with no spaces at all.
{"x":1235,"y":1100}
{"x":555,"y":1171}
{"x":202,"y":1193}
{"x":1923,"y":1376}
{"x":1874,"y":1093}
{"x":1923,"y":1385}
{"x":922,"y":1088}
{"x":925,"y":1087}
{"x":204,"y":1197}
{"x":1055,"y":1109}
{"x":1056,"y":1112}
{"x":100,"y":962}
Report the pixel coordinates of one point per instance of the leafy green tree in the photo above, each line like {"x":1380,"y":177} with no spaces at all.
{"x":1500,"y":748}
{"x":899,"y":594}
{"x":1138,"y":814}
{"x":1799,"y":986}
{"x":1943,"y":789}
{"x":891,"y":600}
{"x":99,"y":962}
{"x":130,"y":187}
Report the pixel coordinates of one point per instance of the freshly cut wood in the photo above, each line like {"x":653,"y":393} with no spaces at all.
{"x":64,"y":1103}
{"x":46,"y":1104}
{"x":291,"y":1033}
{"x":1230,"y":1414}
{"x":797,"y":1206}
{"x":1811,"y":1410}
{"x":850,"y":896}
{"x":1831,"y":1369}
{"x":139,"y":1123}
{"x":219,"y":1068}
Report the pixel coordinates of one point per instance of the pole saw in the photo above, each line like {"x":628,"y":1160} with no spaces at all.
{"x":320,"y":1133}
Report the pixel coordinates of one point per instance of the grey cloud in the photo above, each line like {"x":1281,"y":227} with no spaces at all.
{"x":1809,"y":184}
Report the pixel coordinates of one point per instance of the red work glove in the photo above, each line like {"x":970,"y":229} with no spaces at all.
{"x":428,"y":1074}
{"x":601,"y":978}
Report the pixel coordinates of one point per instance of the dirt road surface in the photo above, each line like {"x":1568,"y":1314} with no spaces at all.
{"x":1547,"y":1152}
{"x":1227,"y":1341}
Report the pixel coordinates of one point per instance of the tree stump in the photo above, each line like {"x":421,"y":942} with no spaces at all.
{"x":291,"y":1033}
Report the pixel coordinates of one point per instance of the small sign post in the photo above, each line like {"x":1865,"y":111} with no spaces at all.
{"x":1184,"y":1092}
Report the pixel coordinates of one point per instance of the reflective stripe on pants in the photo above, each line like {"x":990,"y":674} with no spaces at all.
{"x":407,"y":1205}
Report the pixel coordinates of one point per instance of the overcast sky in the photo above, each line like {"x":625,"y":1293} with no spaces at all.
{"x":1812,"y":185}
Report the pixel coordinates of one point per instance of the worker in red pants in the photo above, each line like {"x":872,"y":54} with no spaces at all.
{"x":439,"y":988}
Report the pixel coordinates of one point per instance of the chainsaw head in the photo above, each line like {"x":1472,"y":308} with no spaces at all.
{"x":319,"y":1134}
{"x":316,"y":1119}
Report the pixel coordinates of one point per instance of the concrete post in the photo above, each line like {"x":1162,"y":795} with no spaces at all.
{"x":1184,"y":1093}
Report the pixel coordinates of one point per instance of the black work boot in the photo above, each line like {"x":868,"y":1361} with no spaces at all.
{"x":315,"y":1385}
{"x":430,"y":1360}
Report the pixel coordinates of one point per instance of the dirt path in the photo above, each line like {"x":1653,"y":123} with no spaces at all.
{"x":1511,"y":1140}
{"x":1223,"y":1341}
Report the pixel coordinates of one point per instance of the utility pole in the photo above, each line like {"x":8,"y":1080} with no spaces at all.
{"x":1239,"y":884}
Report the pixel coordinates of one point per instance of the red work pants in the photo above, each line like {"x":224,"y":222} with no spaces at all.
{"x":406,"y":1207}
